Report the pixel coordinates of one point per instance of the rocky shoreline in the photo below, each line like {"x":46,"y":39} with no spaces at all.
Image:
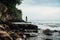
{"x":49,"y":34}
{"x":16,"y":30}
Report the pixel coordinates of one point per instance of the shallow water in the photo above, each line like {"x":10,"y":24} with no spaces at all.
{"x":43,"y":26}
{"x":41,"y":36}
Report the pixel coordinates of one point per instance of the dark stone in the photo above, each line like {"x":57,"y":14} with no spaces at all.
{"x":55,"y":31}
{"x":48,"y":39}
{"x":47,"y":32}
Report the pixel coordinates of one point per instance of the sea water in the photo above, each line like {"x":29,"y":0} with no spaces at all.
{"x":46,"y":25}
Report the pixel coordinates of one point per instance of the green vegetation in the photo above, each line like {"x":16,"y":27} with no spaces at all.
{"x":9,"y":8}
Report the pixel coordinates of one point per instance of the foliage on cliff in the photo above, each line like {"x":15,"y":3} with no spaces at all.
{"x":10,"y":8}
{"x":11,"y":4}
{"x":7,"y":2}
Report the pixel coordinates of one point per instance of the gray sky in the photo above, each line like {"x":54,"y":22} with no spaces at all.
{"x":40,"y":9}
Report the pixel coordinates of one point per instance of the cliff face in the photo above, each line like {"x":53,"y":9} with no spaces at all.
{"x":9,"y":13}
{"x":8,"y":10}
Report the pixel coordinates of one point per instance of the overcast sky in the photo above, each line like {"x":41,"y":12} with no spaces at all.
{"x":41,"y":9}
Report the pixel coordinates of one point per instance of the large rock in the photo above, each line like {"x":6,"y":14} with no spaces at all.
{"x":5,"y":36}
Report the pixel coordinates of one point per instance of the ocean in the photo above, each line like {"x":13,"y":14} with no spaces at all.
{"x":46,"y":25}
{"x":52,"y":25}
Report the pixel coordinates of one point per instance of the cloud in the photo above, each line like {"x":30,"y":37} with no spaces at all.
{"x":42,"y":13}
{"x":42,"y":2}
{"x":50,"y":10}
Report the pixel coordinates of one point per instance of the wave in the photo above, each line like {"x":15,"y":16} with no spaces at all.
{"x":51,"y":26}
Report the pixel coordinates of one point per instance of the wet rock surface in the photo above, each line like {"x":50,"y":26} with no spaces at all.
{"x":16,"y":31}
{"x":42,"y":36}
{"x":6,"y":31}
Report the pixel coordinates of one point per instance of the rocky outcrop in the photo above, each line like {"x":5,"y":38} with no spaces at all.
{"x":47,"y":32}
{"x":9,"y":13}
{"x":5,"y":36}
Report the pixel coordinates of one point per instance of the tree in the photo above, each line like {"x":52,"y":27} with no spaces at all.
{"x":11,"y":7}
